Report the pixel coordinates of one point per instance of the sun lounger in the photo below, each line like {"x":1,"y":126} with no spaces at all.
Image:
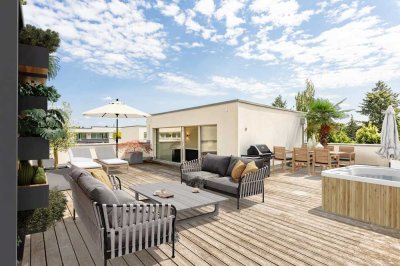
{"x":107,"y":158}
{"x":82,"y":158}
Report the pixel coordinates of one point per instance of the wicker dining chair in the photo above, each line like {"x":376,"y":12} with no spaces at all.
{"x":301,"y":157}
{"x":280,"y":154}
{"x":323,"y":158}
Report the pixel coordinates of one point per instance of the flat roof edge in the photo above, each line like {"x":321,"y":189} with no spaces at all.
{"x":227,"y":102}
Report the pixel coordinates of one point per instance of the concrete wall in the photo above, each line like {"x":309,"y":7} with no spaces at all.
{"x":261,"y":125}
{"x":132,"y":133}
{"x":365,"y":153}
{"x":224,"y":116}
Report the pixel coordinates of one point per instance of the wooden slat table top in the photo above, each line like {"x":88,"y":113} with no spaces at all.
{"x":184,"y":198}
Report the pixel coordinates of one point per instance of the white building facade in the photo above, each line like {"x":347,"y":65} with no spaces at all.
{"x":225,"y":128}
{"x":107,"y":134}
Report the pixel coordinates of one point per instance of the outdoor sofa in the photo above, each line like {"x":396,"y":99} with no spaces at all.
{"x":117,"y":223}
{"x":213,"y":172}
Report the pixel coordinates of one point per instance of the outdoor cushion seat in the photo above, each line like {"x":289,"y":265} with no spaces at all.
{"x":125,"y":198}
{"x":113,"y":161}
{"x":223,"y":183}
{"x":86,"y":164}
{"x":203,"y":175}
{"x":96,"y":190}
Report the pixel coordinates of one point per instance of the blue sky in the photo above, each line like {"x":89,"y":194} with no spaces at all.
{"x":163,"y":55}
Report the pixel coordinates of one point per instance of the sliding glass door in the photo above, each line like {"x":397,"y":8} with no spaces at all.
{"x":176,"y":144}
{"x":168,"y":144}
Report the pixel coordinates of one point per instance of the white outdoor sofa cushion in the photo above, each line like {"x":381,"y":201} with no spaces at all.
{"x":86,"y":164}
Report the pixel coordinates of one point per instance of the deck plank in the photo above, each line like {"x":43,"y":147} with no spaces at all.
{"x":290,"y":228}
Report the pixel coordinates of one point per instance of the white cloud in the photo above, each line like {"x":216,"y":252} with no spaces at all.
{"x":279,"y":13}
{"x":107,"y":98}
{"x":179,"y":84}
{"x":112,"y":38}
{"x":347,"y":12}
{"x":217,"y":85}
{"x":205,"y":7}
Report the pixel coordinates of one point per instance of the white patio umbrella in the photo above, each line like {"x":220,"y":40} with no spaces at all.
{"x":116,"y":110}
{"x":390,"y":145}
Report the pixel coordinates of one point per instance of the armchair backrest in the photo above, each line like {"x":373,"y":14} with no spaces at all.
{"x":322,"y":156}
{"x":349,"y":150}
{"x":280,"y":152}
{"x":301,"y":155}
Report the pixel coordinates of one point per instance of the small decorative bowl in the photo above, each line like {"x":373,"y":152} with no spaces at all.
{"x":195,"y":190}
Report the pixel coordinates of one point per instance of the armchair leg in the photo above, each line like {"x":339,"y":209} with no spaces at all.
{"x":173,"y":249}
{"x":238,"y":203}
{"x":105,"y":262}
{"x":74,"y":215}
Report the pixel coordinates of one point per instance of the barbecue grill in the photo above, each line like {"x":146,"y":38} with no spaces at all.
{"x":260,"y":151}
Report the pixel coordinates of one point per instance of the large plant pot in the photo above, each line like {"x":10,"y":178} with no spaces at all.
{"x":32,"y":102}
{"x":33,"y":197}
{"x":135,"y":157}
{"x":33,"y":63}
{"x":33,"y":148}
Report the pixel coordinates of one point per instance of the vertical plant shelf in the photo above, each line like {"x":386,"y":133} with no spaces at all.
{"x":33,"y":148}
{"x":32,"y":102}
{"x":33,"y":196}
{"x":33,"y":63}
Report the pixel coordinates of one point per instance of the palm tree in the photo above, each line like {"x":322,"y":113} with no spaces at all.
{"x":321,"y":118}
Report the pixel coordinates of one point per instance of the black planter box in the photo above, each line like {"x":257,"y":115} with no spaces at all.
{"x":33,"y":56}
{"x":33,"y":148}
{"x":33,"y":197}
{"x":32,"y":102}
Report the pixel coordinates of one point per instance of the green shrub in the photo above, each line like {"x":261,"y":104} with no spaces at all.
{"x":32,"y":89}
{"x":31,"y":35}
{"x":339,"y":137}
{"x":368,"y":134}
{"x":39,"y":220}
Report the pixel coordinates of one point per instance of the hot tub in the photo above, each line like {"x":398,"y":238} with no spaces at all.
{"x":367,"y":193}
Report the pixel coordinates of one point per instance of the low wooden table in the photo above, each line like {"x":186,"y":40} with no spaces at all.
{"x":184,"y":198}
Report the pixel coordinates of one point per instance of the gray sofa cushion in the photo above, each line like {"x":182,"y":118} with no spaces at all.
{"x":234,"y":159}
{"x":77,"y":172}
{"x":215,"y":164}
{"x":96,"y":190}
{"x":124,"y":197}
{"x":223,"y":184}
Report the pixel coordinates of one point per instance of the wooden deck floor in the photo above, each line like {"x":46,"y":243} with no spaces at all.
{"x":288,"y":229}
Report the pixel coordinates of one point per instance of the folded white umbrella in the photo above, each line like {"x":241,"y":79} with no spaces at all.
{"x":390,"y":145}
{"x":116,"y":110}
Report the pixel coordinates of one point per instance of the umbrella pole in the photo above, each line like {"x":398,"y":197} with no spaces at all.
{"x":116,"y":140}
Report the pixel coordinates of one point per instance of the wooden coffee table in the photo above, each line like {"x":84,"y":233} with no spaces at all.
{"x":184,"y":198}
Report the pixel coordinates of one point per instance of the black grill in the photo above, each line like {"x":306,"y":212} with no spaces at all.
{"x":260,"y":151}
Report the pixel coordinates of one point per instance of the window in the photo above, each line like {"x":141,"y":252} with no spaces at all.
{"x":208,"y":139}
{"x":144,"y":135}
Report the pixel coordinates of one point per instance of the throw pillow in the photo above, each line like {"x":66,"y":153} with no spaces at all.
{"x":102,"y":176}
{"x":237,"y":171}
{"x":250,"y":168}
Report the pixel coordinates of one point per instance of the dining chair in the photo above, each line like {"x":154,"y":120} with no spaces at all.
{"x":348,"y":157}
{"x":301,"y":157}
{"x":281,"y":154}
{"x":323,"y":158}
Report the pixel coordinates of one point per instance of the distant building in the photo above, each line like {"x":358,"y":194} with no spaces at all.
{"x":107,"y":134}
{"x":223,"y":128}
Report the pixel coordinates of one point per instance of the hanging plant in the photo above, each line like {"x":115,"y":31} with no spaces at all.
{"x":33,"y":89}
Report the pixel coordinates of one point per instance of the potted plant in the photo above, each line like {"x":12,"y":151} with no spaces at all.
{"x":39,"y":220}
{"x":134,"y":150}
{"x":36,"y":127}
{"x":64,"y":141}
{"x":35,"y":45}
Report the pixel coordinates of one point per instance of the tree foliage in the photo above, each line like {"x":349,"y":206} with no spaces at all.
{"x":322,"y":117}
{"x":339,"y":136}
{"x":368,"y":134}
{"x":279,"y":102}
{"x":305,"y":98}
{"x":377,"y":101}
{"x":351,"y":128}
